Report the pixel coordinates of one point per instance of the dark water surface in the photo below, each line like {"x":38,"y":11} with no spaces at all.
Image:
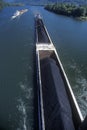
{"x":16,"y":62}
{"x":16,"y":70}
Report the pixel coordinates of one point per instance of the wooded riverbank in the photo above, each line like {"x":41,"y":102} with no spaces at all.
{"x":4,"y":4}
{"x":71,"y":10}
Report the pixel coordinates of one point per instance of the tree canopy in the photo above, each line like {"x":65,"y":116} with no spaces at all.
{"x":68,"y":9}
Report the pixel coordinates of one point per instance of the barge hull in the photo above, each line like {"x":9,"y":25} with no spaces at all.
{"x":57,"y":106}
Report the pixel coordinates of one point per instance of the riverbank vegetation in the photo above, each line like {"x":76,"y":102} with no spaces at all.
{"x":15,"y":4}
{"x":76,"y":11}
{"x":1,"y":4}
{"x":4,"y":4}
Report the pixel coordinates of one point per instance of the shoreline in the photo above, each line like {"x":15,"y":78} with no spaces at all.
{"x":69,"y":10}
{"x":4,"y":4}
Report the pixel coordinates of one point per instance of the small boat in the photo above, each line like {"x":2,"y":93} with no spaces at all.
{"x":19,"y":13}
{"x":57,"y":105}
{"x":23,"y":11}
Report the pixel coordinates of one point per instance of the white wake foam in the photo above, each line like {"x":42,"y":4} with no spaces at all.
{"x":80,"y":87}
{"x":25,"y":107}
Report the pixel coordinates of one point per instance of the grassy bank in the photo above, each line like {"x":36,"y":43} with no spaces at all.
{"x":76,"y":11}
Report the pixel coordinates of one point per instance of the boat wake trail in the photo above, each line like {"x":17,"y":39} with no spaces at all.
{"x":79,"y":86}
{"x":18,"y":13}
{"x":25,"y":107}
{"x":22,"y":110}
{"x":15,"y":15}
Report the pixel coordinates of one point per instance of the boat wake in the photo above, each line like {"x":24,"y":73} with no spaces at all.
{"x":25,"y":107}
{"x":18,"y":13}
{"x":79,"y":87}
{"x":22,"y":109}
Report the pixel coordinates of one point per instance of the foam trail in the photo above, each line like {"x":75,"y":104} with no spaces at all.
{"x":25,"y":106}
{"x":22,"y":109}
{"x":18,"y":13}
{"x":79,"y":86}
{"x":28,"y":91}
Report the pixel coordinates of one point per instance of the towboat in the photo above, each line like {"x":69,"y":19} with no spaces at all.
{"x":57,"y":105}
{"x":23,"y":11}
{"x":19,"y":13}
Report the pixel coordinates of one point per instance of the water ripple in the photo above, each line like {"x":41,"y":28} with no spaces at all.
{"x":25,"y":106}
{"x":79,"y":86}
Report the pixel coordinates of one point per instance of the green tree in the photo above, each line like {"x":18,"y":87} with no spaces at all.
{"x":68,"y":9}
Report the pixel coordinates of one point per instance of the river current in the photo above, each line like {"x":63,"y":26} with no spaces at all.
{"x":17,"y":62}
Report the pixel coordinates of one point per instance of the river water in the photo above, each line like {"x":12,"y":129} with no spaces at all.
{"x":17,"y":61}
